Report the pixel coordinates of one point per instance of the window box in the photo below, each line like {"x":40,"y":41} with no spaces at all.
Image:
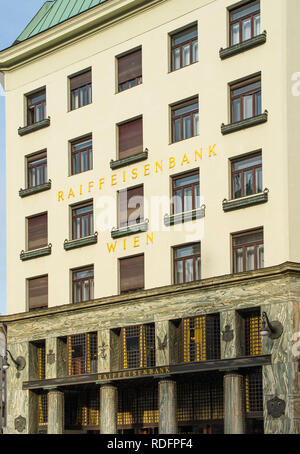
{"x":80,"y":242}
{"x":35,"y":189}
{"x":130,"y":229}
{"x":35,"y":253}
{"x":34,"y":127}
{"x":243,"y":46}
{"x":186,"y":216}
{"x":244,"y":124}
{"x":129,"y":160}
{"x":244,"y":202}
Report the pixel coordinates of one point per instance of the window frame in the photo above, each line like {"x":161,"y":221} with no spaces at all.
{"x":140,"y":219}
{"x":242,"y":19}
{"x":30,"y":279}
{"x":138,"y":79}
{"x":82,"y":280}
{"x":138,"y":120}
{"x":173,"y":46}
{"x":245,"y":246}
{"x":182,"y":188}
{"x":252,"y":92}
{"x":183,"y":259}
{"x":40,"y":215}
{"x":130,"y":290}
{"x":89,"y":214}
{"x":242,"y":171}
{"x":79,"y":87}
{"x":191,"y":114}
{"x":42,"y":155}
{"x":32,"y":107}
{"x":73,"y":152}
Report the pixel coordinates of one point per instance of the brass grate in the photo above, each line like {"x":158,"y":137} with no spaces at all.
{"x":82,"y":353}
{"x":43,"y":409}
{"x":253,"y":340}
{"x":137,"y":346}
{"x":138,"y":407}
{"x":253,"y":392}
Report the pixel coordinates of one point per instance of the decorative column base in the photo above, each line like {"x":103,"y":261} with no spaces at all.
{"x":108,"y":409}
{"x":167,"y":394}
{"x":55,"y":412}
{"x":233,"y":404}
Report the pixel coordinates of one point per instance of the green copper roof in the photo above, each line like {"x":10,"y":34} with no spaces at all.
{"x":53,"y":13}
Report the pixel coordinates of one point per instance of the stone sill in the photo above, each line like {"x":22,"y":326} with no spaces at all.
{"x":35,"y":189}
{"x":244,"y":202}
{"x":253,"y":121}
{"x":34,"y":127}
{"x":129,"y":160}
{"x":130,"y":230}
{"x":28,"y":255}
{"x":242,"y":47}
{"x":80,"y":242}
{"x":186,"y":216}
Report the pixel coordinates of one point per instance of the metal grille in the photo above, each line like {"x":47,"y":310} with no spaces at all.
{"x":253,"y":390}
{"x":201,"y":400}
{"x":43,"y":409}
{"x":199,"y":338}
{"x":137,"y":346}
{"x":41,"y":352}
{"x":138,"y":407}
{"x":90,"y":408}
{"x":253,"y":340}
{"x":82,"y":353}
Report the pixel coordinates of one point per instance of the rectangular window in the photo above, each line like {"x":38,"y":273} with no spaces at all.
{"x":83,"y":284}
{"x":82,"y":353}
{"x":131,"y":206}
{"x":132,"y":274}
{"x":130,"y":138}
{"x":248,"y":251}
{"x":187,"y":263}
{"x":130,"y":70}
{"x":138,"y":346}
{"x":199,"y":338}
{"x":244,"y":22}
{"x":186,"y":192}
{"x":81,"y":90}
{"x":81,"y":155}
{"x":184,"y":48}
{"x":245,"y":99}
{"x":185,"y":120}
{"x":37,"y":292}
{"x":82,"y":220}
{"x":36,"y":107}
{"x":37,"y":169}
{"x":37,"y":231}
{"x":246,"y":176}
{"x":252,"y":327}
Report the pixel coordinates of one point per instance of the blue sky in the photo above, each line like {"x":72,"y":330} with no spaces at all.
{"x":14,"y":16}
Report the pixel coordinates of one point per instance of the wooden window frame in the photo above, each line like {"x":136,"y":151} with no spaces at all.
{"x":191,"y":114}
{"x":32,"y":106}
{"x":242,"y":19}
{"x":122,"y":125}
{"x":242,"y":171}
{"x":132,"y":289}
{"x":138,"y":79}
{"x":81,"y":281}
{"x":183,"y":259}
{"x":87,"y":86}
{"x":45,"y":243}
{"x":182,"y":188}
{"x":140,"y":219}
{"x":245,"y":246}
{"x":88,"y":149}
{"x":251,"y":92}
{"x":31,"y":166}
{"x":181,"y":45}
{"x":28,"y":292}
{"x":90,"y":216}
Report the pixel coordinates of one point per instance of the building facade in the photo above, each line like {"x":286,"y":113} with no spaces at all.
{"x":153,"y":222}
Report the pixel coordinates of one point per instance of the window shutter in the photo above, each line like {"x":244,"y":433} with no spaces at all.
{"x":132,"y":273}
{"x":130,"y":66}
{"x":37,"y":228}
{"x":81,"y":80}
{"x":38,"y":292}
{"x":131,"y":138}
{"x":131,"y":210}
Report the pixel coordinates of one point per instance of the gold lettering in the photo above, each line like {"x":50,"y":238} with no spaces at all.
{"x":60,"y":195}
{"x":149,"y":238}
{"x":101,"y":182}
{"x":211,"y":150}
{"x":151,"y":371}
{"x":157,"y":165}
{"x":134,"y":172}
{"x":124,"y":245}
{"x":185,"y":159}
{"x":134,"y":373}
{"x":156,"y":371}
{"x":161,"y":370}
{"x":171,"y":162}
{"x":167,"y":370}
{"x":198,"y":154}
{"x":124,"y":176}
{"x":80,"y":190}
{"x":146,"y":169}
{"x":136,"y":240}
{"x":71,"y":193}
{"x":111,"y":246}
{"x":91,"y":185}
{"x":114,"y":179}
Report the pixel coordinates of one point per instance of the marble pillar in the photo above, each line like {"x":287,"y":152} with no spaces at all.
{"x":167,"y":394}
{"x":55,"y":411}
{"x":108,"y":409}
{"x":233,"y":404}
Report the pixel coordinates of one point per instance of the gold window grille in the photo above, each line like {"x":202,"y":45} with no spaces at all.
{"x":138,"y":407}
{"x":43,"y":397}
{"x":137,"y":346}
{"x":199,"y":338}
{"x":90,"y":408}
{"x":253,"y":340}
{"x":82,"y":353}
{"x":201,"y":400}
{"x":253,"y":392}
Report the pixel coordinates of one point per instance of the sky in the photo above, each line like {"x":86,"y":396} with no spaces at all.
{"x":14,"y":16}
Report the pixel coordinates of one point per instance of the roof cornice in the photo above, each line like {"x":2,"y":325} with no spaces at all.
{"x":73,"y":29}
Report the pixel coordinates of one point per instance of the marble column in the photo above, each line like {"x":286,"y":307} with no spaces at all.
{"x":233,"y":404}
{"x":55,"y":411}
{"x":108,"y":409}
{"x":167,"y":395}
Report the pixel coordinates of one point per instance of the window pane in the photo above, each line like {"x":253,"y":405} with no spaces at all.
{"x":40,"y":175}
{"x":83,"y":96}
{"x":38,"y":113}
{"x":238,"y":262}
{"x":246,"y":29}
{"x":187,"y":128}
{"x":32,"y":180}
{"x":235,"y":34}
{"x":186,"y":109}
{"x":77,"y":228}
{"x":186,"y":55}
{"x":176,"y":58}
{"x":197,"y":196}
{"x":256,"y":25}
{"x":76,"y":290}
{"x":198,"y":268}
{"x":186,"y":251}
{"x":248,"y":182}
{"x":84,"y":162}
{"x":177,"y":134}
{"x":184,"y":36}
{"x":246,"y":88}
{"x":248,"y":107}
{"x":76,"y":163}
{"x":178,"y":202}
{"x":196,"y":124}
{"x":179,"y":272}
{"x":260,"y":256}
{"x":250,"y":258}
{"x":249,"y":238}
{"x":237,"y":186}
{"x":258,"y":180}
{"x":188,"y":200}
{"x":85,"y":226}
{"x":189,"y":270}
{"x":195,"y":51}
{"x":236,"y":110}
{"x":258,"y":103}
{"x":248,"y":162}
{"x":242,"y":12}
{"x":75,"y":99}
{"x":183,"y":181}
{"x":89,"y":93}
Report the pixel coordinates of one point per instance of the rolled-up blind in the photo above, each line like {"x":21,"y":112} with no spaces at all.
{"x":131,"y":138}
{"x":38,"y":292}
{"x":37,"y":229}
{"x":81,"y":80}
{"x":130,"y":66}
{"x":131,"y":206}
{"x":132,"y":274}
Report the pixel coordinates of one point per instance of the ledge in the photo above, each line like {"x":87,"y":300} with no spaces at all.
{"x":35,"y":189}
{"x":186,"y":216}
{"x":244,"y":202}
{"x":34,"y":127}
{"x":130,"y":160}
{"x":35,"y":253}
{"x":253,"y":121}
{"x":242,"y":47}
{"x":80,"y":242}
{"x":130,"y":230}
